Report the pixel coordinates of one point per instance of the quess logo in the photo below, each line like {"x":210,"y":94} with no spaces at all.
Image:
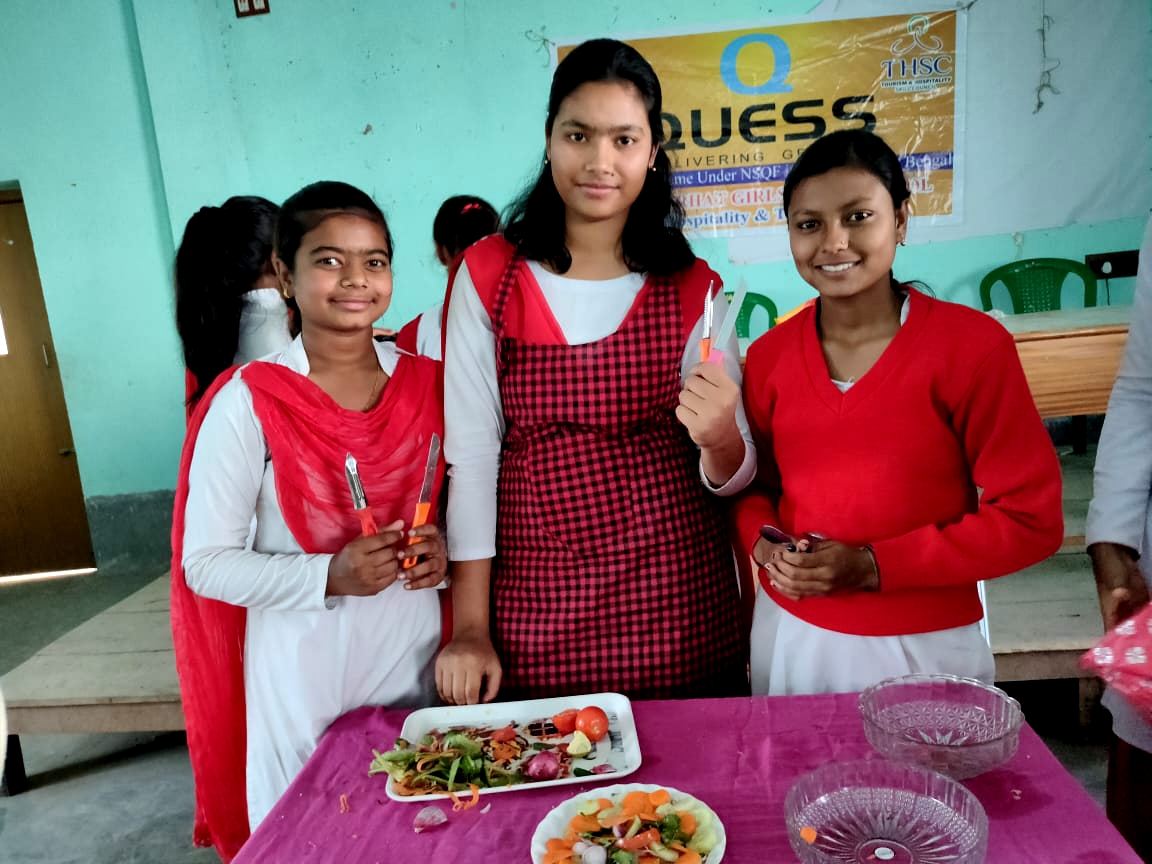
{"x":790,"y":122}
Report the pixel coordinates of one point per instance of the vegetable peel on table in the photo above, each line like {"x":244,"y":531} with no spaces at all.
{"x":427,"y":818}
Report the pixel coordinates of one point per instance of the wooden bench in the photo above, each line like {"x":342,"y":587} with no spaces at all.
{"x":114,"y":673}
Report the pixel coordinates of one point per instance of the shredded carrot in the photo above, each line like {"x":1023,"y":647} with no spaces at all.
{"x":425,"y":761}
{"x":687,"y":856}
{"x":603,"y":804}
{"x":660,"y":796}
{"x":343,"y":803}
{"x":459,"y":805}
{"x":503,"y":751}
{"x":808,"y":834}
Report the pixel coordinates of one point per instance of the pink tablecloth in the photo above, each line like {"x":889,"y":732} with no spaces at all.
{"x":738,"y":755}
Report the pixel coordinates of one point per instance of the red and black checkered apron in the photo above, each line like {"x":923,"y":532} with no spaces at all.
{"x":613,"y":570}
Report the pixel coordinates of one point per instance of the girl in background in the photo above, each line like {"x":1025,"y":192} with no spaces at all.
{"x":586,"y":440}
{"x":275,"y":641}
{"x":898,"y":444}
{"x":460,"y":222}
{"x":228,"y":304}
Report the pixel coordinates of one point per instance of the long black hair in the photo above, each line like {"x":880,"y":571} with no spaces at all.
{"x":461,"y":221}
{"x":853,"y":148}
{"x":315,"y":203}
{"x":653,"y":238}
{"x":223,"y":252}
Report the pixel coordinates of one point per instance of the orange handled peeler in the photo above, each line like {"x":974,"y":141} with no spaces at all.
{"x":359,"y":502}
{"x":706,"y":338}
{"x":424,"y":503}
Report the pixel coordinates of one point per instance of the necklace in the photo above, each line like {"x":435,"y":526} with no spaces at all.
{"x":372,"y":392}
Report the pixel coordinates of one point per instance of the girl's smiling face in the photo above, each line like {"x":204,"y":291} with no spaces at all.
{"x":601,"y":149}
{"x":342,"y":273}
{"x":843,"y":230}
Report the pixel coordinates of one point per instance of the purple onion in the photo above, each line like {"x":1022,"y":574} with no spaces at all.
{"x":543,"y":766}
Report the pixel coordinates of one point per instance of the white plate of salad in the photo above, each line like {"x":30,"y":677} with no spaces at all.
{"x":464,"y":751}
{"x":630,"y":823}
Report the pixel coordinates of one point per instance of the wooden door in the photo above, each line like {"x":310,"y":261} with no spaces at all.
{"x":43,"y":523}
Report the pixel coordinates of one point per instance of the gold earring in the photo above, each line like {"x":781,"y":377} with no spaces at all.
{"x":284,"y":291}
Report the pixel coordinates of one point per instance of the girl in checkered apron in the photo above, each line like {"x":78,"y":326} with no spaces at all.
{"x":588,"y":446}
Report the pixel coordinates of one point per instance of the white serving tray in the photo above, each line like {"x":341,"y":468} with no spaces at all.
{"x":623,"y":752}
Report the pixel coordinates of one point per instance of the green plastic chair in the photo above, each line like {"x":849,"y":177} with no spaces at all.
{"x":751,"y":301}
{"x":1034,"y":284}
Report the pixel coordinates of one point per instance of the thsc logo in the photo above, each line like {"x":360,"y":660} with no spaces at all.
{"x":764,"y":122}
{"x":918,"y":60}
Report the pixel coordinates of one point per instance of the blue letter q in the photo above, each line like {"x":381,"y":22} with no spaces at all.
{"x":781,"y":65}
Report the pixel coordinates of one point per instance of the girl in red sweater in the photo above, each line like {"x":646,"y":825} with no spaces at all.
{"x":899,"y":445}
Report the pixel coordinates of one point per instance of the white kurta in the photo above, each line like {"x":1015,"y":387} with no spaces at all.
{"x":307,"y":658}
{"x":263,"y":325}
{"x":791,"y":656}
{"x":1122,"y":486}
{"x":428,"y":333}
{"x":586,"y":310}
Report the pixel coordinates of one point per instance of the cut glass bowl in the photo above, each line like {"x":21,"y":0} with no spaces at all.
{"x":959,"y":726}
{"x":882,"y":812}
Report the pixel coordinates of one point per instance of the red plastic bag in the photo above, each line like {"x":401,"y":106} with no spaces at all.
{"x":1123,"y":658}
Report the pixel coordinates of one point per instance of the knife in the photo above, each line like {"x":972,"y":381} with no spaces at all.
{"x":729,"y":322}
{"x":359,"y":502}
{"x":424,"y":503}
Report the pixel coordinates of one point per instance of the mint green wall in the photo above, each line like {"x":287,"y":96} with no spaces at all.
{"x":74,"y":134}
{"x":120,"y":117}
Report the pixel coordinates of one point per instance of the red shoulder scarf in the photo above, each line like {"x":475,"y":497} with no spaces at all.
{"x":308,"y":436}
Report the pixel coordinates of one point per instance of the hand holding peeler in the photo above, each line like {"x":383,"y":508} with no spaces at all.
{"x":424,"y":503}
{"x":359,"y":502}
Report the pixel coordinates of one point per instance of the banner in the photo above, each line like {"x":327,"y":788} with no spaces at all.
{"x":741,"y":105}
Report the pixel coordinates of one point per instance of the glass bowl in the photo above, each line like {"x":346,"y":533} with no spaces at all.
{"x":882,"y":812}
{"x":958,"y":726}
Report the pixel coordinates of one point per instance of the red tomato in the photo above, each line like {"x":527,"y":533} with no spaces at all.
{"x":508,"y":733}
{"x":593,"y":722}
{"x":565,"y":721}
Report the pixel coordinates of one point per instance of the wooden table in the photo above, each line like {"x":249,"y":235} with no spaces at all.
{"x":1071,"y":356}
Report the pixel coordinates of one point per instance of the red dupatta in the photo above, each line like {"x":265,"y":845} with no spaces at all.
{"x":308,"y":436}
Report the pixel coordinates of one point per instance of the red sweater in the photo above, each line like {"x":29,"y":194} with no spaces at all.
{"x":899,"y":461}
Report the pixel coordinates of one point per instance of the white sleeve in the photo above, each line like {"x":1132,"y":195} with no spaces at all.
{"x":428,"y":333}
{"x":1122,"y":482}
{"x":224,"y":483}
{"x":473,"y":424}
{"x":747,"y":470}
